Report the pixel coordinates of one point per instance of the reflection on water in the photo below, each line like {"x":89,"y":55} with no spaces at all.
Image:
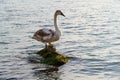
{"x":41,"y":70}
{"x":47,"y":74}
{"x":90,"y":38}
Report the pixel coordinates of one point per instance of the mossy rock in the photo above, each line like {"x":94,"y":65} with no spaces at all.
{"x":52,"y":57}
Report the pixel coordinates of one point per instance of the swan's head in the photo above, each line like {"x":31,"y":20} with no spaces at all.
{"x":58,"y":12}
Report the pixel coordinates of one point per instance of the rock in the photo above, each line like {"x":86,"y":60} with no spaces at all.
{"x":52,"y":57}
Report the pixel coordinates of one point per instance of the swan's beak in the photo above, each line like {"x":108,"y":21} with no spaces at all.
{"x":62,"y":14}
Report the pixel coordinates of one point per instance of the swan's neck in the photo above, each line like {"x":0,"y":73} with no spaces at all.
{"x":55,"y":23}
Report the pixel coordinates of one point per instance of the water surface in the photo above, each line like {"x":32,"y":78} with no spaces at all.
{"x":90,"y":38}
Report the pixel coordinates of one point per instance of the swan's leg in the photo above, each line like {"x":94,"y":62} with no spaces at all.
{"x":51,"y":45}
{"x":46,"y":45}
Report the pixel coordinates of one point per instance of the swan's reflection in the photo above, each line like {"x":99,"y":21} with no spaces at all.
{"x":43,"y":71}
{"x":50,"y":73}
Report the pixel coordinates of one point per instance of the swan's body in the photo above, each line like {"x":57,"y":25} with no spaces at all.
{"x":49,"y":35}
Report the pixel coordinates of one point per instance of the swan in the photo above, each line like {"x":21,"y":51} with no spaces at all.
{"x":48,"y":36}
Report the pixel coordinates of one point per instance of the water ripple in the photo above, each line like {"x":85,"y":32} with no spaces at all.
{"x":90,"y":38}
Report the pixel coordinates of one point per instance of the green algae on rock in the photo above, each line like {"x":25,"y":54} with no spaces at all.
{"x":52,"y":57}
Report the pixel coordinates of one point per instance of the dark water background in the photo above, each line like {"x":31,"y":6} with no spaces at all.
{"x":90,"y":37}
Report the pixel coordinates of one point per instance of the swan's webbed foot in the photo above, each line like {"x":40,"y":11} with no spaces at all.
{"x":51,"y":47}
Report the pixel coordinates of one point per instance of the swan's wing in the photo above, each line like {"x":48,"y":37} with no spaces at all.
{"x":44,"y":32}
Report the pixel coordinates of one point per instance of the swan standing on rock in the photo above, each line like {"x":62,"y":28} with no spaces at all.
{"x":49,"y":35}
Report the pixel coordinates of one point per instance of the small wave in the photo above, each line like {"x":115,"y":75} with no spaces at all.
{"x":4,"y":43}
{"x":19,"y":24}
{"x":12,"y":79}
{"x":8,"y":79}
{"x":95,"y":60}
{"x":74,"y":58}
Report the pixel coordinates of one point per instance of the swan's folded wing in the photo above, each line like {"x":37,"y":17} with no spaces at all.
{"x":44,"y":32}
